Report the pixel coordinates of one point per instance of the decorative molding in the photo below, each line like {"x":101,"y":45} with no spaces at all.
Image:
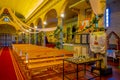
{"x":45,"y":8}
{"x":75,"y":10}
{"x":113,"y":33}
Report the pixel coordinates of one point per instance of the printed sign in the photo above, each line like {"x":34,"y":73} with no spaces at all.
{"x":98,"y":42}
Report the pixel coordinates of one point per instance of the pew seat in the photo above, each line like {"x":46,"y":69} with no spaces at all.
{"x":39,"y":65}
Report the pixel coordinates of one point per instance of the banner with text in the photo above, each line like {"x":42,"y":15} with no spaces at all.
{"x":98,"y":42}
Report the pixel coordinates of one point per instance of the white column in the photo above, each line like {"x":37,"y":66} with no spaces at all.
{"x":60,"y":23}
{"x":61,"y":34}
{"x":44,"y":39}
{"x":29,"y":38}
{"x":34,"y":38}
{"x":44,"y":24}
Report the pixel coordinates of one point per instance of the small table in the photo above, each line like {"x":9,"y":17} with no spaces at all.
{"x":78,"y":61}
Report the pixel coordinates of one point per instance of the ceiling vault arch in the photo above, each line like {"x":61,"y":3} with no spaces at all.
{"x":7,"y":16}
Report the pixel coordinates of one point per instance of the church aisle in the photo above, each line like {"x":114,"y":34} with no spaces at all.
{"x":6,"y":66}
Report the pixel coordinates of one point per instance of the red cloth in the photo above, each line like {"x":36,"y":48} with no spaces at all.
{"x":50,"y":45}
{"x":6,"y":66}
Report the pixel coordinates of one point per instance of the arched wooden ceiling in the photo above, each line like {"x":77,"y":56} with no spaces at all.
{"x":23,"y":7}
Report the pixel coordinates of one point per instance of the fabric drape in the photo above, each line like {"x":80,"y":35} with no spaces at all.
{"x":97,"y":6}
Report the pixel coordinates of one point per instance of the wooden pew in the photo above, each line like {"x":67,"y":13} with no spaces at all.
{"x":41,"y":58}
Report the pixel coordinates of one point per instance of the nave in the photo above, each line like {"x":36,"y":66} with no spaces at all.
{"x":9,"y":69}
{"x":48,"y":39}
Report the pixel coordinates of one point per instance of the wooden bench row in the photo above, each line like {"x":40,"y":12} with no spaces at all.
{"x":40,"y":60}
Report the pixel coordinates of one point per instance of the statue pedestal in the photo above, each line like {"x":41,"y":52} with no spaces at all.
{"x":104,"y":72}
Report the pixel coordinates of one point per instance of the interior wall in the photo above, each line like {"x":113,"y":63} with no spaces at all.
{"x":114,"y":6}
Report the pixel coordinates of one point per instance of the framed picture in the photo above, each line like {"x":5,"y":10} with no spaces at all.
{"x":84,"y":39}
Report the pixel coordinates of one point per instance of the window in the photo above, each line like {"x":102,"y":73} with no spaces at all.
{"x":6,"y":19}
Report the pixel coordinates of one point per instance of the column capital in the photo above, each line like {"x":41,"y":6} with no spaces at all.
{"x":76,"y":10}
{"x":59,"y":17}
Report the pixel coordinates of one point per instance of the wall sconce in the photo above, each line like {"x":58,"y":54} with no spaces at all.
{"x":45,"y":23}
{"x":62,"y":15}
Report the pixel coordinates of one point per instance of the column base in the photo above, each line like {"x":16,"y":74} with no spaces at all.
{"x":104,"y":72}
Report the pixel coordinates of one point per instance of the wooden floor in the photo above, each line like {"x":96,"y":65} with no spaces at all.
{"x":114,"y":76}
